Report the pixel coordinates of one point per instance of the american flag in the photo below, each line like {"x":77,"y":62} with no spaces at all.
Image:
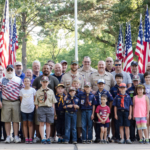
{"x":119,"y":53}
{"x":14,"y":43}
{"x":128,"y":56}
{"x":146,"y":41}
{"x":10,"y":38}
{"x":139,"y":51}
{"x":4,"y":37}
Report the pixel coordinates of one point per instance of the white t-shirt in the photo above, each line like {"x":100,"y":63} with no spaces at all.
{"x":27,"y":104}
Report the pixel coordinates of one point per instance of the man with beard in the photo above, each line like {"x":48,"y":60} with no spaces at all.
{"x":87,"y":70}
{"x":109,"y":65}
{"x":64,"y":66}
{"x":36,"y":69}
{"x":126,"y":76}
{"x":58,"y":71}
{"x":18,"y":70}
{"x":71,"y":75}
{"x":10,"y":87}
{"x":53,"y":82}
{"x":101,"y":74}
{"x":135,"y":72}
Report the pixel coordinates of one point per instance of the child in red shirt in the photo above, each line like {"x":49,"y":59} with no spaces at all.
{"x":103,"y":112}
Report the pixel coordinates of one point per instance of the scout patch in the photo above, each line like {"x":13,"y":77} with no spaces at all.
{"x":90,"y":103}
{"x":41,"y":99}
{"x":82,"y":102}
{"x":76,"y":100}
{"x":68,"y":83}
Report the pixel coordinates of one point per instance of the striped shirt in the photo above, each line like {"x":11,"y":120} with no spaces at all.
{"x":10,"y":88}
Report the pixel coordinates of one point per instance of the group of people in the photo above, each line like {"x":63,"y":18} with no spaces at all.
{"x":70,"y":104}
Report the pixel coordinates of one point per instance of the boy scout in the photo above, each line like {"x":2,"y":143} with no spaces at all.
{"x":44,"y":103}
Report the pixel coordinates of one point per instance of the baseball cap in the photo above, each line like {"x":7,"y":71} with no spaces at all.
{"x":101,"y":81}
{"x":87,"y":84}
{"x":9,"y":66}
{"x":18,"y":63}
{"x":122,"y":85}
{"x":72,"y":89}
{"x":60,"y":85}
{"x":45,"y":78}
{"x":134,"y":63}
{"x":135,"y":77}
{"x":74,"y":62}
{"x":63,"y":61}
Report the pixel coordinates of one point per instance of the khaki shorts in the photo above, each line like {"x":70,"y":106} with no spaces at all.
{"x":10,"y":111}
{"x":79,"y":124}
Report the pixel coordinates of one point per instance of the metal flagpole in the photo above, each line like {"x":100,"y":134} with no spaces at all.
{"x":76,"y":30}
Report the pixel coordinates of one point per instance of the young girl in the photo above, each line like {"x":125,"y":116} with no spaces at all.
{"x":141,"y":111}
{"x":103,"y":112}
{"x":27,"y":96}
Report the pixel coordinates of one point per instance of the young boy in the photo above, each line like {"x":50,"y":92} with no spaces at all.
{"x":103,"y":112}
{"x":76,"y":84}
{"x":131,"y":92}
{"x":87,"y":106}
{"x":114,"y":123}
{"x":71,"y":105}
{"x":60,"y":112}
{"x":123,"y":110}
{"x":98,"y":94}
{"x":44,"y":102}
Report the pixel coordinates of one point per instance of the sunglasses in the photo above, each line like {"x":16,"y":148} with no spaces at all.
{"x":117,"y":64}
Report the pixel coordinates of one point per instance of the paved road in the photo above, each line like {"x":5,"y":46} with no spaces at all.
{"x":111,"y":146}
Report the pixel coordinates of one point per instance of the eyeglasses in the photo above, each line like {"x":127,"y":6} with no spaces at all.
{"x":117,"y":64}
{"x":108,"y":61}
{"x":86,"y":62}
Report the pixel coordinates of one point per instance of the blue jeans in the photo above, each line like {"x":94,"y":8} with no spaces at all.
{"x":70,"y":123}
{"x":86,"y":122}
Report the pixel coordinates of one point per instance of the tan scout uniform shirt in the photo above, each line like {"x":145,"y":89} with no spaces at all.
{"x":87,"y":74}
{"x":67,"y":79}
{"x":108,"y":78}
{"x":39,"y":100}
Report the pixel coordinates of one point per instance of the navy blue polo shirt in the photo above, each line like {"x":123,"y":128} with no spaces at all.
{"x":70,"y":102}
{"x":92,"y":101}
{"x":22,"y":76}
{"x":98,"y":96}
{"x":114,"y":91}
{"x":127,"y":102}
{"x":59,"y":105}
{"x":78,"y":93}
{"x":34,"y":76}
{"x":58,"y":77}
{"x":131,"y":91}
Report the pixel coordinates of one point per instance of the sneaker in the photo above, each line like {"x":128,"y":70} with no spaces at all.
{"x":141,"y":141}
{"x":105,"y":142}
{"x":30,"y":141}
{"x":128,"y":141}
{"x":146,"y":141}
{"x":26,"y":141}
{"x":122,"y":141}
{"x":79,"y":140}
{"x":109,"y":140}
{"x":43,"y":141}
{"x":59,"y":140}
{"x":48,"y":141}
{"x":63,"y":140}
{"x":101,"y":142}
{"x":36,"y":140}
{"x":117,"y":141}
{"x":8,"y":140}
{"x":17,"y":140}
{"x":89,"y":141}
{"x":97,"y":141}
{"x":84,"y":141}
{"x":66,"y":142}
{"x":52,"y":139}
{"x":74,"y":142}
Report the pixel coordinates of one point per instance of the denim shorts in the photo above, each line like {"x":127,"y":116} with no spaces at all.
{"x":27,"y":116}
{"x":106,"y":125}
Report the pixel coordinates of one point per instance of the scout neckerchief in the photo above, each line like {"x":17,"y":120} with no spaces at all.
{"x":45,"y":94}
{"x":60,"y":99}
{"x":87,"y":99}
{"x":73,"y":102}
{"x":99,"y":96}
{"x":73,"y":76}
{"x":122,"y":100}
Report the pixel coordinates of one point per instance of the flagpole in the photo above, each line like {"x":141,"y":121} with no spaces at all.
{"x":76,"y":30}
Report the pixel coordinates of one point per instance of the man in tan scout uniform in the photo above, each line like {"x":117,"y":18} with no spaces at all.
{"x":87,"y":70}
{"x":101,"y":74}
{"x":71,"y":75}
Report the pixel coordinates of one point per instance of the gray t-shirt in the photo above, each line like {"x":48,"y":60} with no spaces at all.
{"x":147,"y":87}
{"x":126,"y":77}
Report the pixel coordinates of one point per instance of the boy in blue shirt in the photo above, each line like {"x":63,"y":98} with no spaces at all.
{"x":71,"y":105}
{"x":123,"y":110}
{"x":87,"y":106}
{"x":60,"y":112}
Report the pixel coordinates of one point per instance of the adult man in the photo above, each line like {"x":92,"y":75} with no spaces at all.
{"x":134,"y":71}
{"x":18,"y":70}
{"x":36,"y":69}
{"x":86,"y":70}
{"x":109,"y":65}
{"x":58,"y":71}
{"x":29,"y":74}
{"x":148,"y":67}
{"x":10,"y":87}
{"x":71,"y":75}
{"x":64,"y":66}
{"x":101,"y":74}
{"x":126,"y":76}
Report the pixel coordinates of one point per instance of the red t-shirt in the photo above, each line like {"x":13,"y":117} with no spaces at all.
{"x":103,"y":111}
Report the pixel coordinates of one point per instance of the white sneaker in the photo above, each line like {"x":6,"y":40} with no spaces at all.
{"x":17,"y":140}
{"x":8,"y":140}
{"x":36,"y":140}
